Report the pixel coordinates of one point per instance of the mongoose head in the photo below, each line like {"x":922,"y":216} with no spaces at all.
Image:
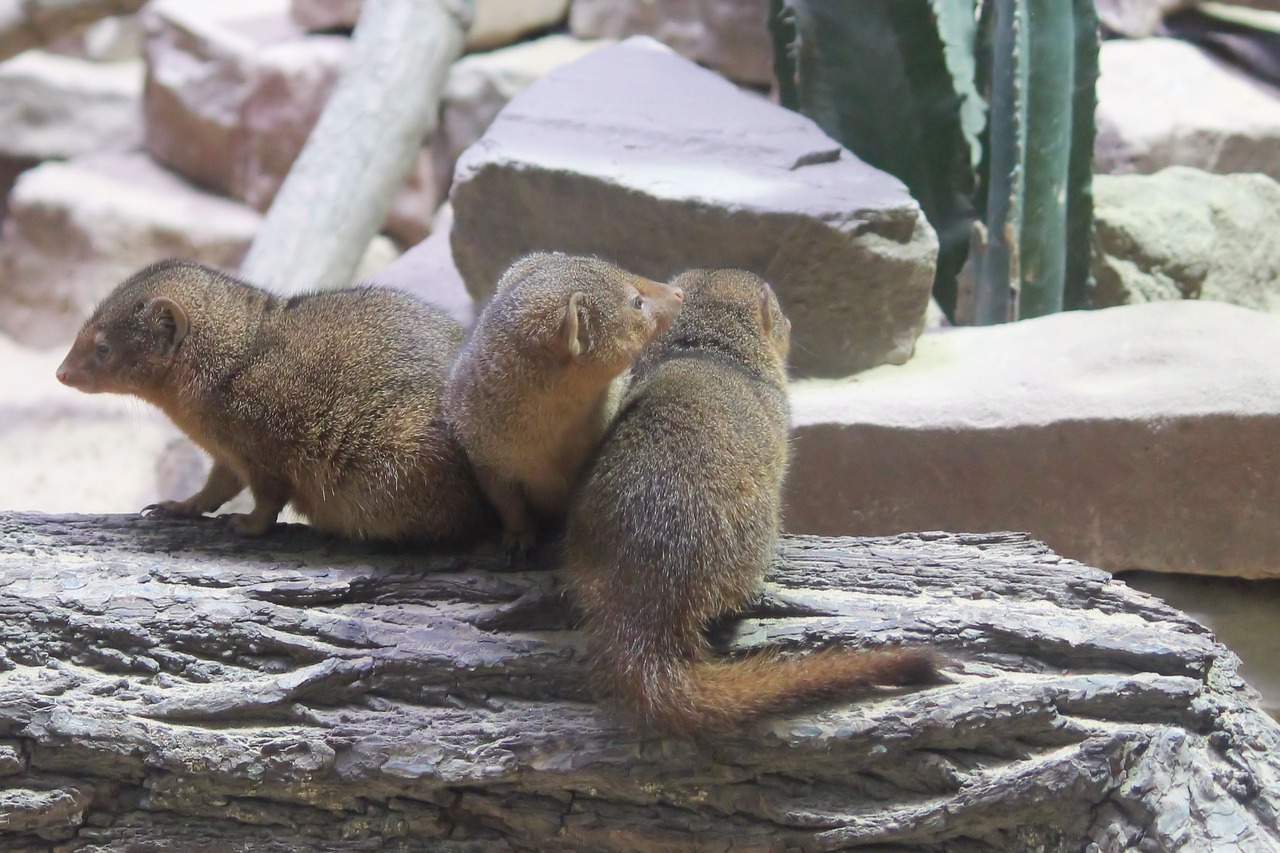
{"x":129,"y":342}
{"x":736,"y":313}
{"x":583,"y":313}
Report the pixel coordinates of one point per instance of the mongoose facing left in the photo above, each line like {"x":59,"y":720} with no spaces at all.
{"x":677,"y":517}
{"x":329,"y":400}
{"x":537,"y":381}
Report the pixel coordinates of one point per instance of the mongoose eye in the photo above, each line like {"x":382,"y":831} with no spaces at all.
{"x":638,"y":302}
{"x":104,"y":350}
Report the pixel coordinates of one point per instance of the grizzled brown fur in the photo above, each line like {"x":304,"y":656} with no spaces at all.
{"x":677,"y":517}
{"x":330,"y":400}
{"x":536,"y":384}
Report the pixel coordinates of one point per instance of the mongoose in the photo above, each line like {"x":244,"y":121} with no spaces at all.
{"x":328,"y":400}
{"x":536,"y":383}
{"x":677,"y":517}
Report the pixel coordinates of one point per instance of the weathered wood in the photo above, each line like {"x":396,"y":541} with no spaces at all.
{"x":25,"y":24}
{"x":385,"y":104}
{"x":168,"y":685}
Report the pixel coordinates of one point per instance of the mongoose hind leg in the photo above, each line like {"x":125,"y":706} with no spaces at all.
{"x":220,"y":486}
{"x":518,"y":533}
{"x":269,"y":498}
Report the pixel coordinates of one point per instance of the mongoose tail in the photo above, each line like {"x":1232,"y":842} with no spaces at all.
{"x":687,"y":697}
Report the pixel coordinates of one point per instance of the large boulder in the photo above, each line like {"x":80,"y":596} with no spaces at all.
{"x":731,"y":36}
{"x":1134,"y":437}
{"x":77,"y":229}
{"x":55,"y":107}
{"x":1163,"y":102}
{"x":481,"y":84}
{"x":1186,"y":234}
{"x":233,"y":91}
{"x":496,"y":22}
{"x":638,"y":156}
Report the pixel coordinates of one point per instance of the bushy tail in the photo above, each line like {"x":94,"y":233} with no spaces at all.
{"x":687,"y":696}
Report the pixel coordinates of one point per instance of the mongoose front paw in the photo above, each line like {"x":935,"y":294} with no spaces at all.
{"x":170,"y":509}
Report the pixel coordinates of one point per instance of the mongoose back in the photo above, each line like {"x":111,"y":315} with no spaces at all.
{"x":677,"y":517}
{"x":536,"y":384}
{"x":329,"y":400}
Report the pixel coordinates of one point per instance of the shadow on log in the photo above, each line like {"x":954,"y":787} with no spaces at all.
{"x":169,"y":686}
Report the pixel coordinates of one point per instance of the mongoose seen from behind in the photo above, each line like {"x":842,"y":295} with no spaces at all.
{"x":535,"y":386}
{"x":329,"y":400}
{"x":677,"y":517}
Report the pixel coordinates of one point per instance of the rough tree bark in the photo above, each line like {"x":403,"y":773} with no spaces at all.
{"x":386,"y":102}
{"x":25,"y":24}
{"x":169,"y":686}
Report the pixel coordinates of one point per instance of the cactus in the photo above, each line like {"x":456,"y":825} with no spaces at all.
{"x":897,"y":82}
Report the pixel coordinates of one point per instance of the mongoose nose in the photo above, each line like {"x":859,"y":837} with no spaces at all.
{"x":62,"y":375}
{"x":679,"y":294}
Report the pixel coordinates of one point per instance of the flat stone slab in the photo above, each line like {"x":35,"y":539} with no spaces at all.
{"x":640,"y":157}
{"x":1139,"y":437}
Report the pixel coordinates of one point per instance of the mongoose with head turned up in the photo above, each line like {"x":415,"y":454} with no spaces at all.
{"x":677,"y":516}
{"x":328,"y":400}
{"x":536,"y":383}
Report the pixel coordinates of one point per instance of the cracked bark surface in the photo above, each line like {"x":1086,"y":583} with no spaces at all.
{"x":170,"y":686}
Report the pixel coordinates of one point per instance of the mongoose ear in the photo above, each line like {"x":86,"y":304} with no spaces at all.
{"x":167,"y":322}
{"x":574,"y":335}
{"x":766,"y":310}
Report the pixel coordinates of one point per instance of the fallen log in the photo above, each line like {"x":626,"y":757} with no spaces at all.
{"x":171,"y":686}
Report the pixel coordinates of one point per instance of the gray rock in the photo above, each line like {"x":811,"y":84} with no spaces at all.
{"x":10,"y":169}
{"x":200,"y":64}
{"x":731,"y":36}
{"x":1183,"y":233}
{"x":55,"y":107}
{"x":638,"y":156}
{"x":112,"y":39}
{"x":76,"y":229}
{"x":1137,"y":18}
{"x":1134,"y":437}
{"x":234,"y":90}
{"x":496,"y":22}
{"x":500,"y":22}
{"x":1163,"y":102}
{"x":319,"y":15}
